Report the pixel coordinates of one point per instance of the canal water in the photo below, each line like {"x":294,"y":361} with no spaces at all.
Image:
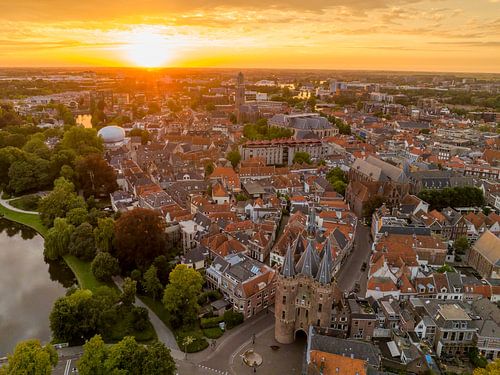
{"x":85,"y":120}
{"x":29,"y":285}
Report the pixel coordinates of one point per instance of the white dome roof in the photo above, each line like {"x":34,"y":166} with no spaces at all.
{"x":112,"y":134}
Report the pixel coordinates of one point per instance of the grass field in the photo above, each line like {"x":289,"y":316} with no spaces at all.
{"x":30,"y":220}
{"x":157,"y":308}
{"x":83,"y":273}
{"x":26,"y":202}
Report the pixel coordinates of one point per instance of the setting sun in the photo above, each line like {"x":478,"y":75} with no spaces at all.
{"x":147,"y":48}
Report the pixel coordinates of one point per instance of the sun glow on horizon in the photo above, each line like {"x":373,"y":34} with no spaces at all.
{"x":148,"y":48}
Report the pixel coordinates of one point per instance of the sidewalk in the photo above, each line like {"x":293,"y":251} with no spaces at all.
{"x":6,"y":204}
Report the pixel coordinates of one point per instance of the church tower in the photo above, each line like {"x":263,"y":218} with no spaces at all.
{"x":239,"y":98}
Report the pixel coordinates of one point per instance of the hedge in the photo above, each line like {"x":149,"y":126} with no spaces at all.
{"x":232,"y":318}
{"x":199,"y":343}
{"x":211,"y":322}
{"x":213,"y":333}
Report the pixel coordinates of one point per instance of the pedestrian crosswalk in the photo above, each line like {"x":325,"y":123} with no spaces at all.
{"x":214,"y":370}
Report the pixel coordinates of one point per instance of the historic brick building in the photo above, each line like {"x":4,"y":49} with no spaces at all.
{"x":306,"y":293}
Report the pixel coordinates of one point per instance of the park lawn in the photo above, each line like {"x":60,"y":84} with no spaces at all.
{"x":30,"y":220}
{"x":199,"y":343}
{"x":124,"y":327}
{"x":83,"y":272}
{"x":26,"y":202}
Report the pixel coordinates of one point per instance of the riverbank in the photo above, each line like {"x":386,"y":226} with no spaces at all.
{"x":81,"y":269}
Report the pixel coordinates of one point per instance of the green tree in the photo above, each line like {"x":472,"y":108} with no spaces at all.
{"x":94,"y":355}
{"x":75,"y":317}
{"x":60,"y":200}
{"x":209,"y":169}
{"x":37,"y":146}
{"x":158,"y":360}
{"x":302,"y":157}
{"x":104,"y":266}
{"x":181,"y":295}
{"x":104,"y":233}
{"x":8,"y":155}
{"x":151,"y":283}
{"x":82,"y":141}
{"x":57,"y":239}
{"x":492,"y":368}
{"x":371,"y":205}
{"x":82,"y":244}
{"x":31,"y":358}
{"x":139,"y":238}
{"x":140,"y":318}
{"x":163,"y":268}
{"x":339,"y":187}
{"x":95,"y":176}
{"x":127,"y":356}
{"x":461,"y":245}
{"x":77,"y":216}
{"x":129,"y":291}
{"x":234,"y":157}
{"x":336,"y":174}
{"x":31,"y":173}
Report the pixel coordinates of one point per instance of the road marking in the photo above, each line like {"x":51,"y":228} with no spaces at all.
{"x":68,"y":367}
{"x":215,"y":370}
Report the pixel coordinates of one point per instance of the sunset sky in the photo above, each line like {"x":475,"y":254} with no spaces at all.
{"x":427,"y":35}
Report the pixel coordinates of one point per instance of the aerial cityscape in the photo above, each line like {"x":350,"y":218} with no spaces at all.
{"x":272,"y":188}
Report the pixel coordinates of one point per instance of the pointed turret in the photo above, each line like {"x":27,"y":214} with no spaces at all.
{"x":308,"y":262}
{"x":299,"y":245}
{"x":324,"y":275}
{"x":311,"y":222}
{"x":288,"y":269}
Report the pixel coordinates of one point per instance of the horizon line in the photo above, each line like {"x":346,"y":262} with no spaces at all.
{"x":90,"y":67}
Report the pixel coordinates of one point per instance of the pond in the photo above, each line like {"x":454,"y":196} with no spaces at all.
{"x":85,"y":120}
{"x":29,"y":285}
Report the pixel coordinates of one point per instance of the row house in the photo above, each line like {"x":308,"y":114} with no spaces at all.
{"x":248,"y":285}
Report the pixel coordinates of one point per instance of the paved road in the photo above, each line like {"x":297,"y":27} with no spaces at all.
{"x":220,"y":358}
{"x":350,"y":271}
{"x":165,"y":335}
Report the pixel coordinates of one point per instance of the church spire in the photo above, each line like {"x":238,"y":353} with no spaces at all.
{"x":324,"y":275}
{"x":288,"y":269}
{"x":308,"y":262}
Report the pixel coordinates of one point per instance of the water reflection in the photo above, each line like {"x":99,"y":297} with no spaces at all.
{"x":28,"y":286}
{"x":12,"y":229}
{"x":85,"y":120}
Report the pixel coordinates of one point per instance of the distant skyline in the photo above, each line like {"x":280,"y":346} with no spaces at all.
{"x":404,"y":35}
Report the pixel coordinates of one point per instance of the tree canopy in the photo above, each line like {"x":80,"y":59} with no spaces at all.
{"x":139,"y":238}
{"x":104,"y":266}
{"x":181,"y":295}
{"x":30,"y":357}
{"x":466,"y":196}
{"x":126,"y":357}
{"x":261,"y":131}
{"x":95,"y":176}
{"x":234,"y":157}
{"x":57,"y":239}
{"x":59,"y":201}
{"x":302,"y":157}
{"x":82,"y":141}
